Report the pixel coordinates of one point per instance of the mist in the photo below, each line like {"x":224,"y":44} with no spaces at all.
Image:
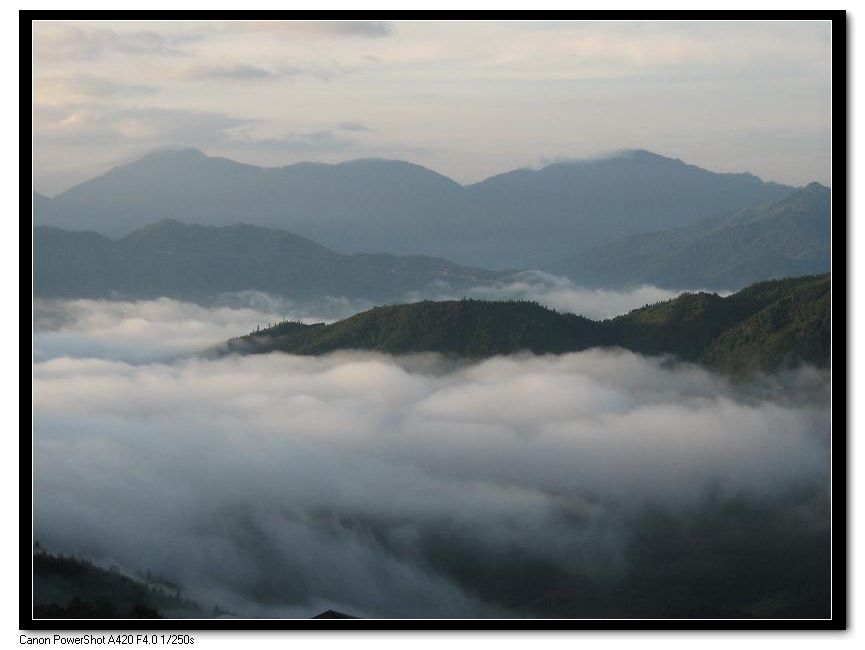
{"x":139,"y":331}
{"x":585,"y":484}
{"x":560,"y":293}
{"x":149,"y":330}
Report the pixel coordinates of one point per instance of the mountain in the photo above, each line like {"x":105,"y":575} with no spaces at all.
{"x":783,"y":238}
{"x":795,"y":327}
{"x":355,"y":206}
{"x":465,"y":328}
{"x":71,"y":587}
{"x":767,"y":326}
{"x":331,"y":613}
{"x":41,"y":204}
{"x":199,"y":263}
{"x":524,"y":218}
{"x":572,"y":206}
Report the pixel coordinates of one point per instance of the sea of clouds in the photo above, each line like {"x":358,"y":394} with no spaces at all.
{"x":278,"y":485}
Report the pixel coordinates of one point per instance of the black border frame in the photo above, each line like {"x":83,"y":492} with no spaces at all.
{"x":840,"y":334}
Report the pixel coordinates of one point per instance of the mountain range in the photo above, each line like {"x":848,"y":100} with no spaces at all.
{"x":521,"y":219}
{"x":199,"y":263}
{"x":765,"y":327}
{"x":783,"y":238}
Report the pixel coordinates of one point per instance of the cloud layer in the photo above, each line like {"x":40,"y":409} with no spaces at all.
{"x":282,"y":486}
{"x":150,"y":330}
{"x":558,"y":293}
{"x":140,"y":331}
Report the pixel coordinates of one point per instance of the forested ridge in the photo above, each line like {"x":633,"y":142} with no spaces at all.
{"x":767,"y":326}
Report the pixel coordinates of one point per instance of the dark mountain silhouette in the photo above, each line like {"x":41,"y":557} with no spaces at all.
{"x":70,"y":587}
{"x":199,"y":263}
{"x":523,"y":218}
{"x":331,"y":613}
{"x":784,"y":238}
{"x":766,"y":327}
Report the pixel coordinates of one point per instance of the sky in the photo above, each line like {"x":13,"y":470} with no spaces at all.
{"x":466,"y":99}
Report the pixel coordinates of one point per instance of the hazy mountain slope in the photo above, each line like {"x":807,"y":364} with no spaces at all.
{"x":764,"y":327}
{"x":41,"y":205}
{"x":200,"y":262}
{"x":591,"y":202}
{"x":75,"y":264}
{"x":785,"y":238}
{"x":355,"y":206}
{"x":520,"y":219}
{"x":69,"y":587}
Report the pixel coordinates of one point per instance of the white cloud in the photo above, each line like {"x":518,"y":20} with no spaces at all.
{"x":148,"y":329}
{"x":295,"y":28}
{"x":62,"y":42}
{"x":558,"y":293}
{"x":280,"y":486}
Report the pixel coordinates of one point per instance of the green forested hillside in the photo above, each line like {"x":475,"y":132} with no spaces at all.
{"x":794,"y":328}
{"x":767,"y":326}
{"x":470,"y":328}
{"x":786,"y":238}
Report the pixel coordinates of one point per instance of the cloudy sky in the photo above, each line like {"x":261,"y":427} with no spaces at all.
{"x":466,"y":99}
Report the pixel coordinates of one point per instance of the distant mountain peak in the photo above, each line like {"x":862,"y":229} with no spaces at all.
{"x":639,"y":154}
{"x":634,"y":155}
{"x":400,"y":207}
{"x":810,"y":192}
{"x":158,"y":159}
{"x":175,"y":152}
{"x":377,"y":161}
{"x":166,"y":223}
{"x":646,"y":156}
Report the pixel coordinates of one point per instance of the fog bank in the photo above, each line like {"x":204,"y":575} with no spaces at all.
{"x":560,"y":293}
{"x":277,"y":485}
